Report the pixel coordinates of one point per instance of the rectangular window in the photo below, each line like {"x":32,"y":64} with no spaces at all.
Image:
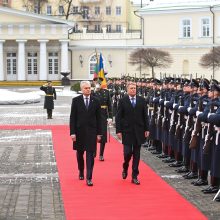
{"x":32,"y":63}
{"x":61,"y":10}
{"x":53,"y":63}
{"x":49,"y":10}
{"x":36,"y":9}
{"x":11,"y":63}
{"x":97,"y":28}
{"x":85,"y":12}
{"x":75,"y":9}
{"x":108,"y":28}
{"x":118,"y":10}
{"x":186,"y":28}
{"x":97,"y":10}
{"x":205,"y":27}
{"x":108,"y":10}
{"x":118,"y":28}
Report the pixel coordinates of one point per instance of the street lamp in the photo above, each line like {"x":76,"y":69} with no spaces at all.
{"x":81,"y":60}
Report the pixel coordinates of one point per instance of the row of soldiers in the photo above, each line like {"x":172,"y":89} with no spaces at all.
{"x":184,"y":118}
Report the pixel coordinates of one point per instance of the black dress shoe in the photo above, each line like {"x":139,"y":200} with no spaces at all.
{"x":81,"y":176}
{"x":201,"y":182}
{"x":194,"y":181}
{"x":135,"y":181}
{"x":89,"y":182}
{"x":212,"y":189}
{"x":124,"y":174}
{"x":162,"y":156}
{"x":185,"y":175}
{"x":176,"y":164}
{"x":156,"y":152}
{"x":169,"y":160}
{"x":101,"y":158}
{"x":206,"y":188}
{"x":217,"y":199}
{"x":151,"y":148}
{"x":182,"y":170}
{"x":192,"y":175}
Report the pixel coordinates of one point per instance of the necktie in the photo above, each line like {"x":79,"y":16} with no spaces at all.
{"x":87,"y":103}
{"x":133,"y":102}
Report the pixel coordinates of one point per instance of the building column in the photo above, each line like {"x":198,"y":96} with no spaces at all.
{"x":43,"y":60}
{"x":21,"y":59}
{"x":1,"y":61}
{"x":64,"y":56}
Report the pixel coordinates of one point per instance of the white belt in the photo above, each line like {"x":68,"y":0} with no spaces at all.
{"x":217,"y":135}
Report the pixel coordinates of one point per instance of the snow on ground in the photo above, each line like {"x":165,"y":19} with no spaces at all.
{"x":19,"y":96}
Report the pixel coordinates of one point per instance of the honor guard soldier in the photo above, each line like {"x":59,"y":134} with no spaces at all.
{"x":50,"y":96}
{"x":104,"y":98}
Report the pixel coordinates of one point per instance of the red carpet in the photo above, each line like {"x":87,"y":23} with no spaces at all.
{"x":111,"y":197}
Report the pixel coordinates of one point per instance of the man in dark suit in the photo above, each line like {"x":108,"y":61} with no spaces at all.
{"x":85,"y":129}
{"x":50,"y":96}
{"x":132,"y":128}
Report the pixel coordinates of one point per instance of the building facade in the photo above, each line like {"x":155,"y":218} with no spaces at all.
{"x":190,"y":30}
{"x":32,"y":47}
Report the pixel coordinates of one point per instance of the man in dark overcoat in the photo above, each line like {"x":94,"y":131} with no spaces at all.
{"x":132,"y":127}
{"x":85,"y":129}
{"x":50,"y":96}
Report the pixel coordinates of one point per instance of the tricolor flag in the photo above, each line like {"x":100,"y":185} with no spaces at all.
{"x":101,"y":73}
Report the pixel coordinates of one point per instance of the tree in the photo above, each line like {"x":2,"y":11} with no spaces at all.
{"x":150,"y":57}
{"x":211,"y":60}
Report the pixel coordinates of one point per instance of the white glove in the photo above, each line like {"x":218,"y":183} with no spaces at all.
{"x":174,"y":105}
{"x":210,"y":114}
{"x":198,"y":113}
{"x":109,"y":120}
{"x":188,"y":109}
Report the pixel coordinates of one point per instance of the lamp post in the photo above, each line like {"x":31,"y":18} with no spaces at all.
{"x":81,"y":60}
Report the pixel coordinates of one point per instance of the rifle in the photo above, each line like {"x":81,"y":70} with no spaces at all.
{"x":154,"y":115}
{"x":181,"y":121}
{"x":174,"y":118}
{"x":209,"y":134}
{"x":160,"y":112}
{"x":189,"y":125}
{"x":194,"y":142}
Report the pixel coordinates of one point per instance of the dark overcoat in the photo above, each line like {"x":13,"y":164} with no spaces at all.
{"x":131,"y":121}
{"x":50,"y":96}
{"x":85,"y":124}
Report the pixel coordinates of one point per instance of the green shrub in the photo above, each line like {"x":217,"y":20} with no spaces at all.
{"x":76,"y":87}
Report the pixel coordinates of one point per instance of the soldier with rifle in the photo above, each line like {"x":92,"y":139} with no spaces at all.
{"x":209,"y":145}
{"x":214,"y":119}
{"x":189,"y":155}
{"x":197,"y":138}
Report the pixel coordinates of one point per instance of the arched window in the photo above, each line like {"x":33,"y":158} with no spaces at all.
{"x":93,"y":61}
{"x":92,"y":64}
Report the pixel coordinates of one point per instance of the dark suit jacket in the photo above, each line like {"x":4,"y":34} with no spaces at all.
{"x":85,"y":124}
{"x":132,"y":122}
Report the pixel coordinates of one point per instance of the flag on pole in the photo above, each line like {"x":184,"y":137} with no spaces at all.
{"x":101,"y":73}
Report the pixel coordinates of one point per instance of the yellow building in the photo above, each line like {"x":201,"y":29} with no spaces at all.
{"x":185,"y":29}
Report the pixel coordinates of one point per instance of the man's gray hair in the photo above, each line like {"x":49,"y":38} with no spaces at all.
{"x":82,"y":83}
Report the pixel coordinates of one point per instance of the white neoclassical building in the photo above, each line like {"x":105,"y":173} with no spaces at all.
{"x":32,"y":47}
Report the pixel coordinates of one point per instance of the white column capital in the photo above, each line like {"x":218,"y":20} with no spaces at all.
{"x":43,"y":41}
{"x":21,"y":41}
{"x":64,"y":41}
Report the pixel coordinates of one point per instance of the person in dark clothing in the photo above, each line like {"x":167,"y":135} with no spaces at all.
{"x":132,"y":127}
{"x":50,"y":96}
{"x":85,"y":129}
{"x":102,"y":93}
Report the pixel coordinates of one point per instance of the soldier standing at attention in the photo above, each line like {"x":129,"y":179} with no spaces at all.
{"x":104,"y":98}
{"x":49,"y":98}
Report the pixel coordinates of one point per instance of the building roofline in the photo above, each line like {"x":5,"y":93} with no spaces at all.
{"x":34,"y":15}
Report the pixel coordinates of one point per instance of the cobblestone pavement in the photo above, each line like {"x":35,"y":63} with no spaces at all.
{"x":29,"y":182}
